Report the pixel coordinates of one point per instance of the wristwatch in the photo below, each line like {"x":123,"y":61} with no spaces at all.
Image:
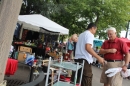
{"x":126,"y":65}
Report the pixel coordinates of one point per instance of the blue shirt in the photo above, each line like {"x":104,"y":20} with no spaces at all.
{"x":70,"y":46}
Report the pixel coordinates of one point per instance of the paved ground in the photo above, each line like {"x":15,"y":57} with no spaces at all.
{"x":23,"y":74}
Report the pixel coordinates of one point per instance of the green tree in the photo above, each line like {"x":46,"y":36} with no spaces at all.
{"x":44,"y":7}
{"x":76,"y":14}
{"x":103,"y":12}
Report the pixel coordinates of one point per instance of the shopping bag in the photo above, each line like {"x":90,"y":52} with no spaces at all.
{"x":125,"y":74}
{"x":112,"y":71}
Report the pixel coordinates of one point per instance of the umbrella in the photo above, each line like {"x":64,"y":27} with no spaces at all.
{"x":126,"y":40}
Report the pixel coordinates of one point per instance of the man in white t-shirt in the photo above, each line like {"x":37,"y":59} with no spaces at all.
{"x":85,"y":52}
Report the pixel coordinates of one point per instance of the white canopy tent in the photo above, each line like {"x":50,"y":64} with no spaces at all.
{"x":29,"y":26}
{"x":35,"y":21}
{"x":36,"y":28}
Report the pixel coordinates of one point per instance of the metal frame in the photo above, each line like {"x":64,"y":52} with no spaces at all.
{"x":77,"y":68}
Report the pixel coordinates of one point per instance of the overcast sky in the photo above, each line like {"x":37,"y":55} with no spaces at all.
{"x":123,"y":33}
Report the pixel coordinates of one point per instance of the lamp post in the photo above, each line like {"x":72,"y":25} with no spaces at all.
{"x":128,"y":27}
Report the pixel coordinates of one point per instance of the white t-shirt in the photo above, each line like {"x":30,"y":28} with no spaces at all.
{"x":84,"y":38}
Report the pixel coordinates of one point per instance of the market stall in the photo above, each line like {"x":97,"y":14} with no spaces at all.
{"x":97,"y":42}
{"x":37,"y":32}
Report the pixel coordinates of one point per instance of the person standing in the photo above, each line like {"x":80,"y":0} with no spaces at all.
{"x":114,"y":50}
{"x":85,"y":52}
{"x":70,"y":48}
{"x":74,"y":38}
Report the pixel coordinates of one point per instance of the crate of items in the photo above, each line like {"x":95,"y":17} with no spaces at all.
{"x":25,"y":49}
{"x":22,"y":51}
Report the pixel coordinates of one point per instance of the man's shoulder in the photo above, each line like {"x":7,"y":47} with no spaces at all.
{"x":106,"y":41}
{"x":82,"y":34}
{"x":88,"y":34}
{"x":119,"y":40}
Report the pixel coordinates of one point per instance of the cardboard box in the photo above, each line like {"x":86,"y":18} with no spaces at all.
{"x":21,"y":56}
{"x":25,"y":49}
{"x":52,"y":54}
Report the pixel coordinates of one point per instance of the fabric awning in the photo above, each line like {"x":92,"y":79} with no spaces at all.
{"x":36,"y":20}
{"x":36,"y":29}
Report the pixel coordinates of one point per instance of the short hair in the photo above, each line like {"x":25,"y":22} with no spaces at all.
{"x":91,"y":25}
{"x":111,"y":28}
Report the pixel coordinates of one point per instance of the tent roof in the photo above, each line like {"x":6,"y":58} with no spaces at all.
{"x":37,"y":20}
{"x":29,"y":26}
{"x":36,"y":29}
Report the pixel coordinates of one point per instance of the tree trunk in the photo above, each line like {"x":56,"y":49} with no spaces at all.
{"x":9,"y":11}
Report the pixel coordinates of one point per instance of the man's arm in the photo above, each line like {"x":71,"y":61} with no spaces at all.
{"x":93,"y":53}
{"x":127,"y":60}
{"x":104,"y":51}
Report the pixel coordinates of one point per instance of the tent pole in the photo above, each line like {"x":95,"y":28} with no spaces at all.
{"x":128,"y":27}
{"x":21,"y":31}
{"x":58,"y":38}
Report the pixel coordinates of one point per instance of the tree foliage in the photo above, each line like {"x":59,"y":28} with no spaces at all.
{"x":76,"y":14}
